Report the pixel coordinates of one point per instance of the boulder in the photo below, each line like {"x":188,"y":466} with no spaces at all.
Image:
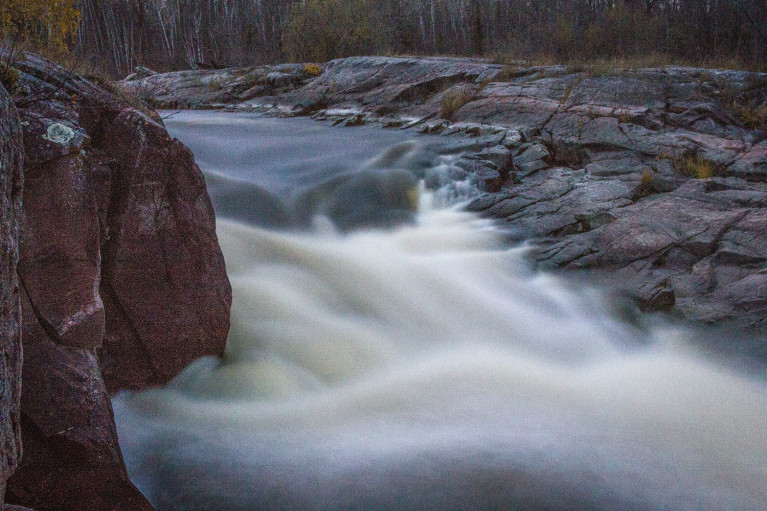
{"x":72,"y":458}
{"x":163,"y":276}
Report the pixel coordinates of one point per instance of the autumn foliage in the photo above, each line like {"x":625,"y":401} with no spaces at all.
{"x":320,"y":30}
{"x":46,"y":25}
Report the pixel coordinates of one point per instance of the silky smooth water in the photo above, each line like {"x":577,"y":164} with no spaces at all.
{"x":414,"y":360}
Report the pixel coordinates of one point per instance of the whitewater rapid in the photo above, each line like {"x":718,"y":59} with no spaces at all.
{"x":429,"y":365}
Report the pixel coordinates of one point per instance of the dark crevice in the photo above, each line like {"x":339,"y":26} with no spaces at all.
{"x":49,"y":329}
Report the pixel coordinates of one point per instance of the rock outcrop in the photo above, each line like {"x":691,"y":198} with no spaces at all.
{"x":654,"y":180}
{"x":11,"y":157}
{"x":210,"y":88}
{"x":122,"y":281}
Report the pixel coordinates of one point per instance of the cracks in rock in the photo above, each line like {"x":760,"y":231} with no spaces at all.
{"x":622,"y":130}
{"x":666,"y":100}
{"x":422,"y":90}
{"x":725,"y":229}
{"x":715,"y":245}
{"x":566,"y":230}
{"x":107,"y":289}
{"x":514,"y":214}
{"x":545,"y":123}
{"x":49,"y":329}
{"x":590,"y":252}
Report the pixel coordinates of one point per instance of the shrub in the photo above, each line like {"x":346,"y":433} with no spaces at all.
{"x":139,"y":97}
{"x":321,"y":30}
{"x":312,"y":69}
{"x":743,"y":102}
{"x":508,"y":73}
{"x":48,"y":25}
{"x":217,"y":83}
{"x":752,"y":116}
{"x":624,"y":116}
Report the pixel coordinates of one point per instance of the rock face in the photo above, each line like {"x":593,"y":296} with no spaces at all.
{"x":206,"y":88}
{"x":654,"y":180}
{"x":11,"y":156}
{"x":163,"y":278}
{"x":122,"y":281}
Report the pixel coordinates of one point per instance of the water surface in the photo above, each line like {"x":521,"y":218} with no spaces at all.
{"x":390,"y":351}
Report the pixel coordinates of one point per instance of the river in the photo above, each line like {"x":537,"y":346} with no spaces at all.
{"x":391,"y":351}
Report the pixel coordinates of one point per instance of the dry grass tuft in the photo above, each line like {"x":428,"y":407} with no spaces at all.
{"x":697,"y":167}
{"x":646,"y":185}
{"x":455,"y":98}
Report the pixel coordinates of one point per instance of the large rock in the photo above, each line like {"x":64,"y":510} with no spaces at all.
{"x":72,"y":459}
{"x":699,"y":250}
{"x":11,"y":155}
{"x":123,"y":281}
{"x":163,"y":275}
{"x":215,"y":87}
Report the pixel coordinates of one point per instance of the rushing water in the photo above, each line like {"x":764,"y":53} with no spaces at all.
{"x":381,"y":358}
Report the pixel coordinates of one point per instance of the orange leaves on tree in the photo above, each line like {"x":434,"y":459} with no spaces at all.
{"x":45,"y":24}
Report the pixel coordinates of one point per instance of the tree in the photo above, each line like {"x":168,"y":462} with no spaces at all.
{"x":320,"y":30}
{"x":45,"y":24}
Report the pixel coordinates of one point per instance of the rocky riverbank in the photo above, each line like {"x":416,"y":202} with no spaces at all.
{"x":121,"y":282}
{"x":651,"y":180}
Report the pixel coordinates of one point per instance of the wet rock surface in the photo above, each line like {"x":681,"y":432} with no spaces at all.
{"x":122,"y":282}
{"x":652,"y":180}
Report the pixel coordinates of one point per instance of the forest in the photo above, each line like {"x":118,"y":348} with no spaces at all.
{"x":118,"y":35}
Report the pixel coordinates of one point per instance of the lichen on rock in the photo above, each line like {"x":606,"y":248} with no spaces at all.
{"x":59,"y":133}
